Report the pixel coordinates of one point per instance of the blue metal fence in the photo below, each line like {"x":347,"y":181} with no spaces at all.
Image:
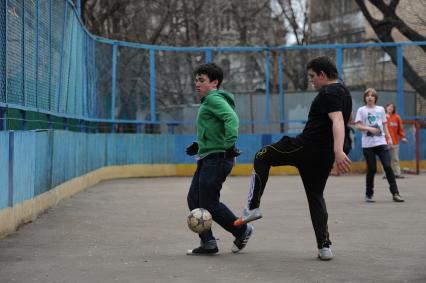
{"x":50,"y":64}
{"x":44,"y":59}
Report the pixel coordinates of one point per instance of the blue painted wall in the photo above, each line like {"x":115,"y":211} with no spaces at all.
{"x":42,"y":160}
{"x":4,"y":168}
{"x":250,"y":144}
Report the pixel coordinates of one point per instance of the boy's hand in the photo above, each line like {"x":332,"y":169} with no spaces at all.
{"x":192,"y":149}
{"x":343,"y":163}
{"x":232,"y":151}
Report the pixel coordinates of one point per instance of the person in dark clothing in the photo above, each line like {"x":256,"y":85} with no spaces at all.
{"x":217,"y":132}
{"x":312,"y":152}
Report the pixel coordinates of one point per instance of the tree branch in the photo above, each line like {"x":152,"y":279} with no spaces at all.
{"x":393,"y":5}
{"x":390,"y":18}
{"x":383,"y":30}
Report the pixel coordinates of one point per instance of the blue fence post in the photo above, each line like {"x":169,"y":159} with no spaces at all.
{"x":400,"y":80}
{"x":5,"y":52}
{"x":50,"y":56}
{"x":208,"y":56}
{"x":267,"y":95}
{"x":11,"y":157}
{"x":339,"y":61}
{"x":70,"y":62}
{"x":281,"y":88}
{"x":85,"y":111}
{"x":61,"y":58}
{"x":114,"y":77}
{"x":23,"y":52}
{"x":152,"y":85}
{"x":93,"y":49}
{"x":36,"y":52}
{"x":113,"y":86}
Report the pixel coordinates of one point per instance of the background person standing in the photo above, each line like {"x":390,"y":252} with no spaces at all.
{"x":396,"y":132}
{"x":371,"y":120}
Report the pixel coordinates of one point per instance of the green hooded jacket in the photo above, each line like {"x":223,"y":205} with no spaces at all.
{"x":217,"y":123}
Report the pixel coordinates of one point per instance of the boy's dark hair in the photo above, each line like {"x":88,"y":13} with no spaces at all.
{"x":373,"y":92}
{"x":213,"y":72}
{"x":323,"y":64}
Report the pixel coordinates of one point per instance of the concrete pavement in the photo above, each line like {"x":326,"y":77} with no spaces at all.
{"x":134,"y":230}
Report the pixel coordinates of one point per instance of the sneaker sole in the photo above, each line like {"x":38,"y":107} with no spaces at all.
{"x":369,"y":199}
{"x":189,"y":252}
{"x":240,"y":221}
{"x":325,"y":258}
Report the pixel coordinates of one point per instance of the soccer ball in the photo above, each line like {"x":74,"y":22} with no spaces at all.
{"x":199,"y":220}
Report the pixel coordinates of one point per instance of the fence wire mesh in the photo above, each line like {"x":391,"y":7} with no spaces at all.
{"x":50,"y":64}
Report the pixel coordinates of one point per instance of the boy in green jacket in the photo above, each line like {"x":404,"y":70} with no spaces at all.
{"x":217,"y":132}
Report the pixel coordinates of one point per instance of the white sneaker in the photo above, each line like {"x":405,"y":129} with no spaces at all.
{"x":369,"y":199}
{"x":248,"y":216}
{"x":397,"y":198}
{"x":325,"y":253}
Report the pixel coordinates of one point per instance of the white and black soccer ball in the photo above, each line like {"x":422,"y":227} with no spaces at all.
{"x":199,"y":220}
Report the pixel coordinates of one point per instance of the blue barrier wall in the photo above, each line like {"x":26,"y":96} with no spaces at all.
{"x":41,"y":160}
{"x":4,"y":172}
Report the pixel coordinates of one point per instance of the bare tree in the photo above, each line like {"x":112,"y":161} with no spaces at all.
{"x":296,"y":16}
{"x":127,"y":20}
{"x":177,"y":23}
{"x":383,"y":28}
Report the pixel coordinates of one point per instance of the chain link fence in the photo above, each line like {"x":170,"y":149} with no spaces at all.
{"x":50,"y":65}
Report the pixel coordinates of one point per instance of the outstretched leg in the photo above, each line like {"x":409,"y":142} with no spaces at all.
{"x":284,"y":152}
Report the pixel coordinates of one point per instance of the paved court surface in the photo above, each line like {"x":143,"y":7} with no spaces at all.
{"x":135,"y":230}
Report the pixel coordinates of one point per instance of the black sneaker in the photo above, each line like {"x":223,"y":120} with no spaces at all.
{"x":202,"y":251}
{"x":241,"y":242}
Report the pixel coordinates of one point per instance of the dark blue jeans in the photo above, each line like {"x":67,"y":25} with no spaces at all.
{"x":205,"y":189}
{"x":382,"y":151}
